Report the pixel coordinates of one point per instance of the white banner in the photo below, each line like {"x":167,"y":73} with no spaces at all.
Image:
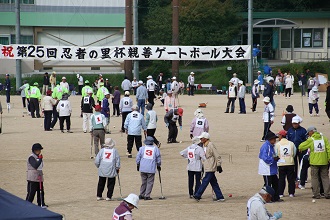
{"x":126,"y":52}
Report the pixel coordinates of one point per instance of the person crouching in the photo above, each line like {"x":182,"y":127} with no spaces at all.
{"x":124,"y":210}
{"x":108,"y":163}
{"x":147,"y":160}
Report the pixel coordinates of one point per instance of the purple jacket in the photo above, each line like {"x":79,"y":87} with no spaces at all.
{"x":116,"y":97}
{"x":121,"y":211}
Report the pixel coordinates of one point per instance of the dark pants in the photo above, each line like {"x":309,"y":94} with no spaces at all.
{"x":151,"y":97}
{"x":315,"y":106}
{"x":55,"y":117}
{"x":130,"y":142}
{"x":24,"y":102}
{"x":80,"y":88}
{"x":191,"y":89}
{"x":254,"y":104}
{"x":32,"y":188}
{"x":209,"y":178}
{"x":47,"y":119}
{"x":232,"y":102}
{"x":34,"y":106}
{"x":151,"y":133}
{"x":67,"y":121}
{"x":272,"y":181}
{"x":115,"y":109}
{"x":304,"y":165}
{"x":123,"y":115}
{"x":191,"y":176}
{"x":159,"y":87}
{"x":242,"y":105}
{"x":288,"y":91}
{"x":308,"y":90}
{"x":288,"y":172}
{"x":8,"y":96}
{"x":172,"y":132}
{"x":134,"y":90}
{"x":266,"y":129}
{"x":110,"y":185}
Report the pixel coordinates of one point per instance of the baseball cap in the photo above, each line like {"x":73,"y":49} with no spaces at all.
{"x":37,"y":146}
{"x":180,"y":111}
{"x":282,"y":133}
{"x":311,"y":128}
{"x":270,"y":135}
{"x":315,"y":89}
{"x":173,"y":77}
{"x":35,"y":84}
{"x":106,"y":79}
{"x":140,"y":82}
{"x":204,"y":135}
{"x":269,"y":190}
{"x":7,"y":74}
{"x":63,"y":77}
{"x":97,"y":108}
{"x":240,"y":82}
{"x":127,"y":93}
{"x":169,"y":92}
{"x":135,"y":107}
{"x":296,"y":119}
{"x":196,"y":140}
{"x":86,"y":81}
{"x":192,"y":73}
{"x":109,"y":142}
{"x":106,"y":93}
{"x":89,"y":91}
{"x":149,"y":77}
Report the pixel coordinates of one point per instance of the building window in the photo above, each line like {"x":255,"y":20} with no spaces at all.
{"x":297,"y":38}
{"x":285,"y":38}
{"x":25,"y":39}
{"x":329,"y":37}
{"x":317,"y":37}
{"x":4,"y":1}
{"x":4,"y":40}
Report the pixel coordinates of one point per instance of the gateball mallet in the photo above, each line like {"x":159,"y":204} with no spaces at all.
{"x":40,"y":190}
{"x":91,"y":146}
{"x":161,"y":187}
{"x":121,"y":195}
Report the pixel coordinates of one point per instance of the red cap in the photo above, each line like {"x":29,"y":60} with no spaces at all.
{"x":282,"y":133}
{"x":180,"y":111}
{"x":98,"y":108}
{"x":49,"y":92}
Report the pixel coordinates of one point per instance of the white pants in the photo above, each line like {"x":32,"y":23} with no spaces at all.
{"x":44,"y":89}
{"x":87,"y":118}
{"x":53,"y":86}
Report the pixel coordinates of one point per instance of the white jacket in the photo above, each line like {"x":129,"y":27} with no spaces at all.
{"x":64,"y":108}
{"x":256,"y":209}
{"x":151,"y":85}
{"x":47,"y":103}
{"x":288,"y":82}
{"x":313,"y":96}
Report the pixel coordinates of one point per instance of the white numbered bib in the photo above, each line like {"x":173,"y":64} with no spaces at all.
{"x":126,"y":102}
{"x":319,"y":146}
{"x":107,"y":155}
{"x":98,"y":119}
{"x":59,"y":89}
{"x":200,"y":123}
{"x":285,"y":151}
{"x":33,"y":91}
{"x":191,"y":154}
{"x":86,"y":100}
{"x":135,"y":116}
{"x":148,"y":153}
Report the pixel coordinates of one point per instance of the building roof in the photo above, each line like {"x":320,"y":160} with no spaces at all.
{"x":288,"y":15}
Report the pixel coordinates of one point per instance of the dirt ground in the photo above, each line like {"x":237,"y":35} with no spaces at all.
{"x":71,"y":177}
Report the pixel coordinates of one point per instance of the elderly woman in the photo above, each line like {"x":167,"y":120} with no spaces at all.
{"x":47,"y":108}
{"x":199,"y":124}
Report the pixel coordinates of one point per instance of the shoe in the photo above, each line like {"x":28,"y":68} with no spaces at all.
{"x":127,"y":153}
{"x":69,"y":131}
{"x":262,"y":140}
{"x":281,"y":196}
{"x":196,"y":198}
{"x":291,"y":195}
{"x":141,"y":197}
{"x":191,"y":197}
{"x":322,"y":195}
{"x":327,"y":197}
{"x":130,"y":156}
{"x":109,"y":199}
{"x":279,"y":200}
{"x":51,"y":129}
{"x":219,"y":200}
{"x":44,"y":206}
{"x":147,"y":198}
{"x":99,"y":198}
{"x":301,"y":187}
{"x":316,"y":197}
{"x":226,"y":112}
{"x":175,"y":142}
{"x":317,"y":115}
{"x":231,"y":112}
{"x":159,"y":144}
{"x":311,"y":115}
{"x":85,"y":131}
{"x":62,"y":131}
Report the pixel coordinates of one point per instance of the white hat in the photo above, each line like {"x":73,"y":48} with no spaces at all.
{"x":107,"y":79}
{"x":140,"y":82}
{"x":315,"y":89}
{"x":256,"y":81}
{"x":127,"y":93}
{"x":204,"y":135}
{"x":259,"y":71}
{"x":100,"y":74}
{"x":132,"y":199}
{"x":196,"y":140}
{"x":192,"y":73}
{"x":296,"y":119}
{"x":88,"y":91}
{"x":106,"y":93}
{"x":240,"y":82}
{"x":77,"y":75}
{"x":54,"y":72}
{"x":63,"y":77}
{"x":234,"y":74}
{"x":149,"y":77}
{"x":266,"y":99}
{"x":199,"y":113}
{"x":109,"y":142}
{"x":173,"y":77}
{"x":169,"y":92}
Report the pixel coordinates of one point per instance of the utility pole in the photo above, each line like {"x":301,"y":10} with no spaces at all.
{"x":128,"y":40}
{"x":18,"y":36}
{"x":250,"y":40}
{"x":136,"y":35}
{"x":175,"y":34}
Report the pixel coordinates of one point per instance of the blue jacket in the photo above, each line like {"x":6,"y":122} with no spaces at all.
{"x":141,"y":92}
{"x":105,"y":107}
{"x":148,"y":158}
{"x":7,"y":84}
{"x":297,"y":136}
{"x":267,"y":164}
{"x":261,"y":79}
{"x":134,"y":122}
{"x":268,"y":91}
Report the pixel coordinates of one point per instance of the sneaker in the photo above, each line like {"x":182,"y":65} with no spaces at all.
{"x":69,"y":131}
{"x":311,"y":115}
{"x":196,"y":198}
{"x":130,"y":156}
{"x":322,"y":195}
{"x":262,"y":140}
{"x":281,"y":196}
{"x":279,"y":200}
{"x":159,"y":144}
{"x":109,"y":199}
{"x":127,"y":153}
{"x":141,"y":197}
{"x":62,"y":131}
{"x":147,"y":198}
{"x":327,"y":197}
{"x":301,"y":187}
{"x":44,"y":206}
{"x":291,"y":195}
{"x":316,"y":197}
{"x":85,"y":131}
{"x":219,"y":200}
{"x":191,"y":197}
{"x":99,"y":198}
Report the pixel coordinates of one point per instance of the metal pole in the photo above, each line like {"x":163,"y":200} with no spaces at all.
{"x":250,"y":40}
{"x":175,"y":34}
{"x":136,"y":35}
{"x":292,"y":45}
{"x":128,"y":40}
{"x":18,"y":36}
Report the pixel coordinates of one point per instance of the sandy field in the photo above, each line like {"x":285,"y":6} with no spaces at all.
{"x":71,"y":176}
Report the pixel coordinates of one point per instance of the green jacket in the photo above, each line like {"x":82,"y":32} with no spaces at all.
{"x":27,"y":91}
{"x":58,"y":91}
{"x":100,"y":93}
{"x":319,"y":149}
{"x":84,"y":89}
{"x":35,"y":93}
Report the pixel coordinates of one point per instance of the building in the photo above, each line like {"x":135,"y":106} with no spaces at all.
{"x":64,"y":23}
{"x":305,"y":35}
